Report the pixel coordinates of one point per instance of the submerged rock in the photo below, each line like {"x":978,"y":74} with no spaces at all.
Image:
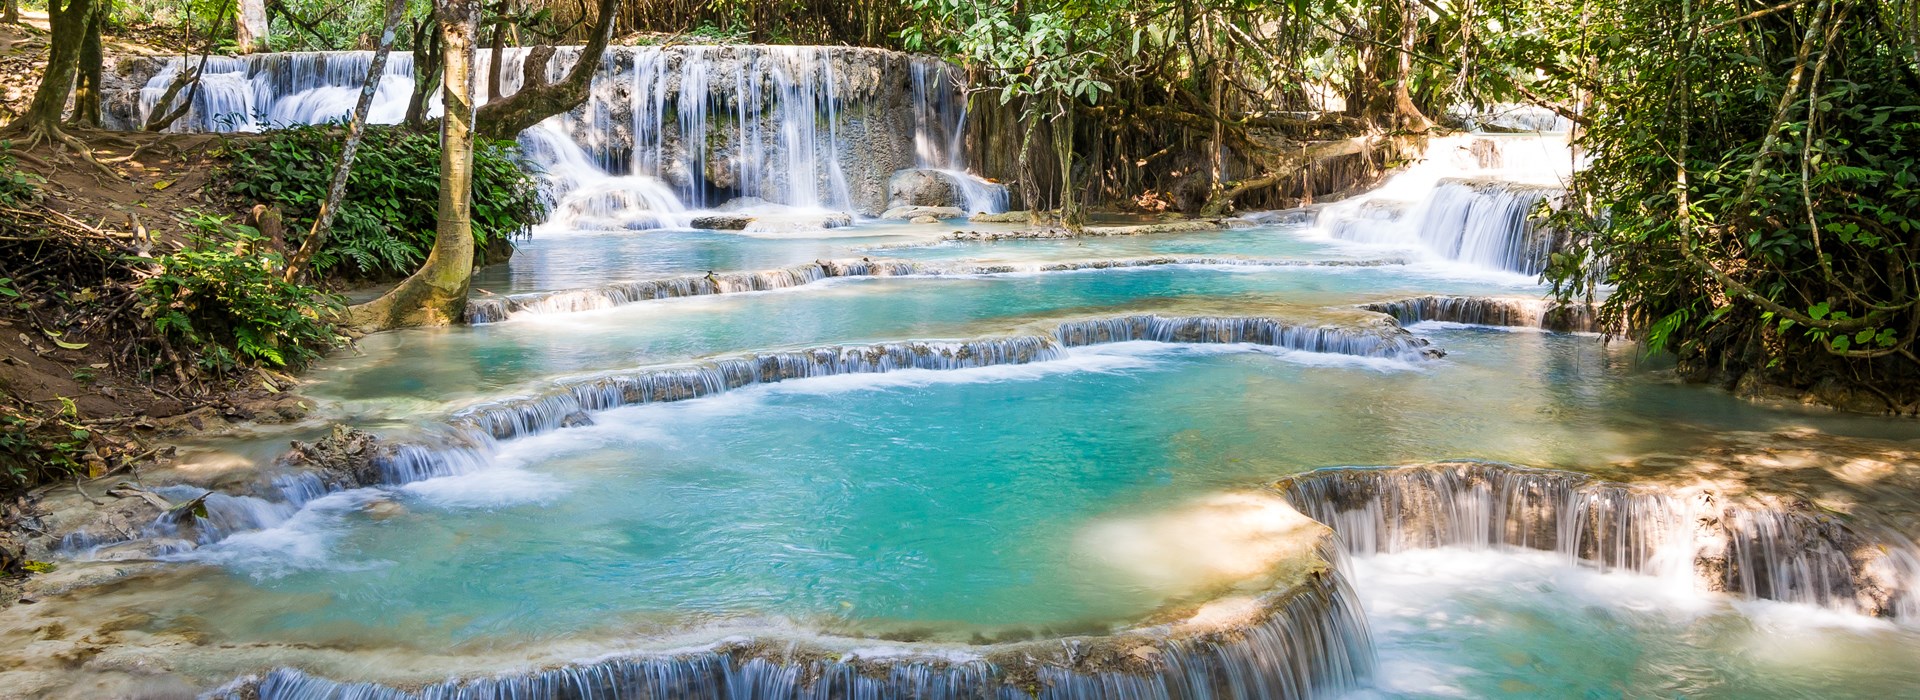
{"x":911,"y":212}
{"x":1005,"y":217}
{"x":923,"y":220}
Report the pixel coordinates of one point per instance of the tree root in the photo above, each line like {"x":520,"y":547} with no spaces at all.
{"x":37,"y":134}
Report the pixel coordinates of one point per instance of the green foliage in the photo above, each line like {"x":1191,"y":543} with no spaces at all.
{"x":37,"y":447}
{"x":385,"y":225}
{"x":1754,"y":192}
{"x":224,"y":298}
{"x":18,"y":187}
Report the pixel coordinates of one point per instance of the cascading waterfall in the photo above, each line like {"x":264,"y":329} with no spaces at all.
{"x":499,"y":308}
{"x":266,"y":91}
{"x":1693,"y":538}
{"x":1475,"y":200}
{"x":1491,"y":311}
{"x":798,"y":126}
{"x":940,"y":118}
{"x":1311,"y":641}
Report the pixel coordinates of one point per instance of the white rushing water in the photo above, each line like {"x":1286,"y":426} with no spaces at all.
{"x":779,"y":131}
{"x":1475,"y":199}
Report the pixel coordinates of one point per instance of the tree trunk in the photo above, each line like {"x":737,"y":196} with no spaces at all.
{"x":1070,"y":215}
{"x":10,"y":11}
{"x":86,"y":87}
{"x":426,"y":69}
{"x":357,"y":127}
{"x":537,"y":99}
{"x":436,"y":295}
{"x":69,"y":24}
{"x":1405,"y":111}
{"x":250,"y":26}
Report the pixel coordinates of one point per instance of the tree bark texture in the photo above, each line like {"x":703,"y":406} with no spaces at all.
{"x":69,"y":23}
{"x":436,"y":294}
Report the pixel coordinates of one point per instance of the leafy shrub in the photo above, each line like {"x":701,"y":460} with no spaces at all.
{"x":17,"y":187}
{"x":223,"y":299}
{"x":36,"y":449}
{"x":385,"y":225}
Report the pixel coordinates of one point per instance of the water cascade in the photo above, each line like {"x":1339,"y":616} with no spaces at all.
{"x":800,"y":127}
{"x":494,"y":309}
{"x":1476,"y":200}
{"x":1490,"y":311}
{"x":1308,"y":641}
{"x":1695,"y":538}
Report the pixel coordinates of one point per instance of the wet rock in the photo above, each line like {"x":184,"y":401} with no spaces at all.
{"x":117,"y":520}
{"x":723,"y":222}
{"x":384,"y":509}
{"x":576,"y":419}
{"x":923,"y":220}
{"x":146,"y":549}
{"x":801,"y":220}
{"x":349,"y":458}
{"x":920,"y":188}
{"x":910,"y":212}
{"x":1005,"y":217}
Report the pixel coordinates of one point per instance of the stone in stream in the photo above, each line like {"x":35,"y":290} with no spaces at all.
{"x":1005,"y":217}
{"x":921,"y":188}
{"x":349,"y":458}
{"x":923,"y":220}
{"x":723,"y":222}
{"x":911,"y":212}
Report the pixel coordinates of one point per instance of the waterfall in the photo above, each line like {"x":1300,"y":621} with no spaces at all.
{"x":273,"y":90}
{"x":1476,"y":200}
{"x":1308,"y":642}
{"x":474,"y":430}
{"x":809,"y":127}
{"x":1695,"y":538}
{"x":1491,"y":311}
{"x":494,"y":309}
{"x":939,"y":124}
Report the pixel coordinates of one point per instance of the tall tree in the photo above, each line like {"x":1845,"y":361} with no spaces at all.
{"x":356,"y":127}
{"x":69,"y":21}
{"x":250,"y":27}
{"x":436,"y":294}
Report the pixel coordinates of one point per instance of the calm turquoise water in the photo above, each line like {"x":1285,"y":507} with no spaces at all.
{"x":984,"y":504}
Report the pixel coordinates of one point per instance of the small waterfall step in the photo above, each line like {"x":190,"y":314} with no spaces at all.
{"x":1513,"y":312}
{"x":1745,"y":546}
{"x":494,"y":309}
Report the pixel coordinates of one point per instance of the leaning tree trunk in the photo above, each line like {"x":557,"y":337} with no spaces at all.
{"x":250,"y":26}
{"x":86,"y":86}
{"x":69,"y":25}
{"x":1405,"y":111}
{"x":436,"y":295}
{"x":538,"y":99}
{"x":426,"y":69}
{"x":323,"y":223}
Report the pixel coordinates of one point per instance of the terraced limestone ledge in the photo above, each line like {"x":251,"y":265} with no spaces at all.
{"x":1183,"y":226}
{"x":572,"y":402}
{"x":1754,"y":545}
{"x":1294,"y":630}
{"x":499,"y":308}
{"x":1518,"y":312}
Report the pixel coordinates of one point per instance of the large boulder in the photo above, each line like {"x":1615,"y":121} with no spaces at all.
{"x":921,"y":188}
